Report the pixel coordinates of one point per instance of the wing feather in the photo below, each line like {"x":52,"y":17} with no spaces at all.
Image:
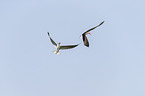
{"x":94,"y":27}
{"x":52,"y":40}
{"x":68,"y":47}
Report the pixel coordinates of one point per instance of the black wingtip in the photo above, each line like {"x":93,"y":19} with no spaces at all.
{"x":48,"y":33}
{"x":87,"y":45}
{"x":101,"y":23}
{"x":79,"y":44}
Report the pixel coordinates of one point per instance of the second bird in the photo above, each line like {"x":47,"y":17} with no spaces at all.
{"x":85,"y":40}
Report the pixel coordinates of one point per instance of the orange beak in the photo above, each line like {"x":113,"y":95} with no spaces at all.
{"x":89,"y":33}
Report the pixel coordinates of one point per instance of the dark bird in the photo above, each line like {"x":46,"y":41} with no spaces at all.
{"x":58,"y":47}
{"x":85,"y":40}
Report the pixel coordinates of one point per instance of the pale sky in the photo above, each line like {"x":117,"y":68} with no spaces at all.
{"x":113,"y":65}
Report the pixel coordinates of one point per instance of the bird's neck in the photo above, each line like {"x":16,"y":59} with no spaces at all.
{"x":58,"y":45}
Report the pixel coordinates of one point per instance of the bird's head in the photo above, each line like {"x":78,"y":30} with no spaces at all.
{"x":59,"y":43}
{"x":89,"y":33}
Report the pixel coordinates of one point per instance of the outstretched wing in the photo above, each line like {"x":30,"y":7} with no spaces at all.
{"x":94,"y":27}
{"x":85,"y":40}
{"x":68,"y":47}
{"x":52,"y":40}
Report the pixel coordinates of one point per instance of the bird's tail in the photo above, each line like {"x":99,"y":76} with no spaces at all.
{"x":56,"y":52}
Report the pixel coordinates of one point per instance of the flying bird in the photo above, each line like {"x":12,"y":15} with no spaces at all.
{"x":85,"y":40}
{"x":58,"y":47}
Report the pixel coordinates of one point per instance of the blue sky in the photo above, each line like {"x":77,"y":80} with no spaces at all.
{"x":113,"y":65}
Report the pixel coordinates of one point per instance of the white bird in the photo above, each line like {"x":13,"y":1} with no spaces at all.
{"x":85,"y":40}
{"x":58,"y":47}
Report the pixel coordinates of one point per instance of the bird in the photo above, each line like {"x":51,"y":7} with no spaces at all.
{"x":83,"y":36}
{"x":58,"y":47}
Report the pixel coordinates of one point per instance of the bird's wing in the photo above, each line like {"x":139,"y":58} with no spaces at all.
{"x":68,"y":47}
{"x":52,"y":40}
{"x":85,"y":40}
{"x":94,"y":27}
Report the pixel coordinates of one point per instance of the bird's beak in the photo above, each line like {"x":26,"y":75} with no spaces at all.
{"x":89,"y":33}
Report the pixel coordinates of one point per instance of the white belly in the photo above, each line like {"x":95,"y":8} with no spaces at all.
{"x":57,"y":50}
